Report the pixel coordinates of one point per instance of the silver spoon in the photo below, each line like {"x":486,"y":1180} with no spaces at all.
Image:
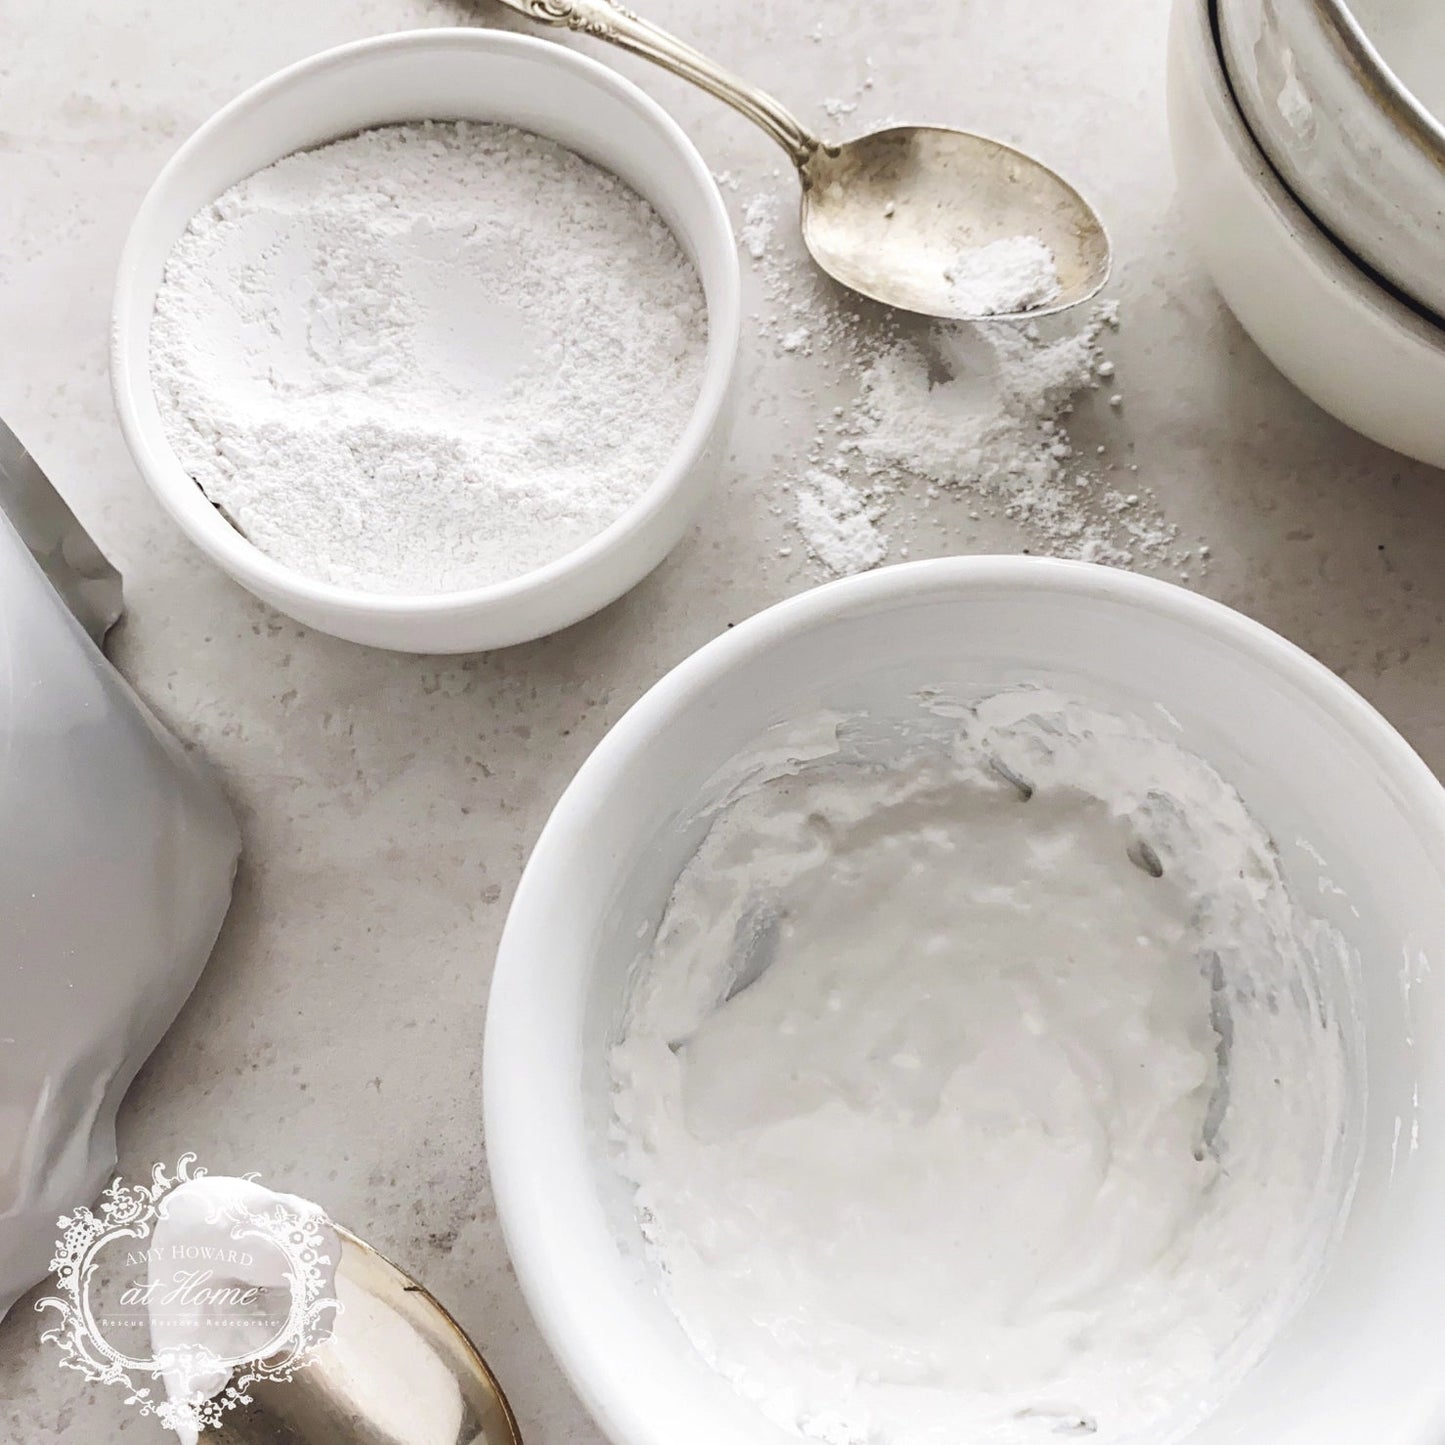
{"x":889,"y":214}
{"x":397,"y":1370}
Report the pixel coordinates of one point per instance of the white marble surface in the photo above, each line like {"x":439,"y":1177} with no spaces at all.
{"x":388,"y":802}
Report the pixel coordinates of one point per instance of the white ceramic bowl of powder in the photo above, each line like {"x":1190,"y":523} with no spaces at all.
{"x":1357,"y":827}
{"x":444,"y":76}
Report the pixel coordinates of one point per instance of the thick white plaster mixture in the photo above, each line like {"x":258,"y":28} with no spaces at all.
{"x":428,"y":357}
{"x":959,"y":1114}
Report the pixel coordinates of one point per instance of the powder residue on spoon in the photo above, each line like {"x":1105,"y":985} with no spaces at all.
{"x":986,"y":1086}
{"x":428,"y":357}
{"x":1004,"y":277}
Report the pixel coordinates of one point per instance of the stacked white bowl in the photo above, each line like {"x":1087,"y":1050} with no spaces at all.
{"x":1323,"y":87}
{"x":1313,"y":180}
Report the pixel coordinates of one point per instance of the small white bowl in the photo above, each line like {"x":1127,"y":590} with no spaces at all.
{"x":1342,"y":338}
{"x":445,"y":74}
{"x":1360,"y":826}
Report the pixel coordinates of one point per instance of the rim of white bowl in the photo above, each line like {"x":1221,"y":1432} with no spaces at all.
{"x":1423,"y":127}
{"x":178,"y":492}
{"x":525,"y":1097}
{"x":1370,"y":287}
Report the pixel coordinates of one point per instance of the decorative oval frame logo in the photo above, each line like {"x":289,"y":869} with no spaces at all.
{"x":299,"y":1243}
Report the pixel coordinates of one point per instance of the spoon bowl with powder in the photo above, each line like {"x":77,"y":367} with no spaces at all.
{"x":925,"y":218}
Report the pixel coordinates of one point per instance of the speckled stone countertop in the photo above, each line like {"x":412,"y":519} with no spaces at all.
{"x":388,"y":802}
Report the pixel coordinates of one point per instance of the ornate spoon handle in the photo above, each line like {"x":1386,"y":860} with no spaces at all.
{"x":621,"y":27}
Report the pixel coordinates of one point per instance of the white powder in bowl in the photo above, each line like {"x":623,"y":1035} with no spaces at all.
{"x":428,"y":357}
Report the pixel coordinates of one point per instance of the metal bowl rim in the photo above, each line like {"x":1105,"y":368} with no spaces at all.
{"x":1407,"y":115}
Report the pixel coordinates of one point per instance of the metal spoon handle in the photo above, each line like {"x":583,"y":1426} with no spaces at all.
{"x":621,"y":27}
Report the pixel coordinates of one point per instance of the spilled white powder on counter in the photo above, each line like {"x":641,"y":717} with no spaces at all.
{"x":1014,"y":273}
{"x":835,"y":520}
{"x":944,"y":424}
{"x":428,"y":357}
{"x":978,"y":414}
{"x":1041,"y":1131}
{"x":757,"y":227}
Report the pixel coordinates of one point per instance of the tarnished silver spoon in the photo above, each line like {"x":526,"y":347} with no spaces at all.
{"x":892,"y":213}
{"x":397,"y":1370}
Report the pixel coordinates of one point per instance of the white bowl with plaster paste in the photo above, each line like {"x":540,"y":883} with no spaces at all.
{"x":444,"y":74}
{"x":1360,"y":825}
{"x":1353,"y":347}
